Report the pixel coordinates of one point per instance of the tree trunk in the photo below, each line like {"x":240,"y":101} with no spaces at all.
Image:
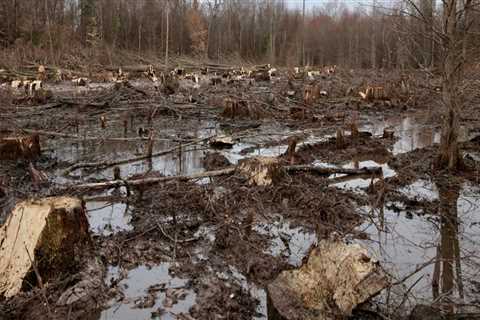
{"x":449,"y":156}
{"x":166,"y":35}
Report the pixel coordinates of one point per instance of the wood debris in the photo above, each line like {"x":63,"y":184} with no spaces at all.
{"x":337,"y":278}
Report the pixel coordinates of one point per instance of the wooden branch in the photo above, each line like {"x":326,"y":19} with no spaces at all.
{"x":215,"y":173}
{"x":151,"y":181}
{"x":328,"y":171}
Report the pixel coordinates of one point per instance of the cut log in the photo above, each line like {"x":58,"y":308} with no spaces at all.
{"x":261,"y":171}
{"x":336,"y":278}
{"x":21,"y":147}
{"x":44,"y":235}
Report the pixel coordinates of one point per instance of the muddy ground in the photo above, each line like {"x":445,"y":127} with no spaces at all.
{"x":206,"y":248}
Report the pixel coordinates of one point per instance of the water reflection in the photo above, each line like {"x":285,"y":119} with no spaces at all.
{"x":412,"y":132}
{"x":434,"y":259}
{"x":447,"y":275}
{"x":149,"y":293}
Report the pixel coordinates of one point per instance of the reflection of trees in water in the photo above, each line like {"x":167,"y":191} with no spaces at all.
{"x":447,"y":274}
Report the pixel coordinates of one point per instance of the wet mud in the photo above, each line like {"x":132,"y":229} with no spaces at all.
{"x":207,"y":248}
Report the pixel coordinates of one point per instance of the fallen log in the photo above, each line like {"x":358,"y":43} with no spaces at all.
{"x":329,"y":171}
{"x":247,"y":171}
{"x":336,"y":278}
{"x":150,"y":181}
{"x":40,"y":239}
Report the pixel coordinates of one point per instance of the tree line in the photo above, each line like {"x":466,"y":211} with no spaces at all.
{"x":378,"y":35}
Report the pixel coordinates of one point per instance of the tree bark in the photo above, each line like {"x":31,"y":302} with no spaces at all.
{"x":449,"y":156}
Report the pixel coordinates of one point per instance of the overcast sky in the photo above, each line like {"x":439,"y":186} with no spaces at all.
{"x":309,"y":4}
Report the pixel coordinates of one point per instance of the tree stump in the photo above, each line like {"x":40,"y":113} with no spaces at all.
{"x":235,"y":109}
{"x":41,"y":238}
{"x":20,"y":147}
{"x":340,"y":140}
{"x":261,"y":171}
{"x":336,"y":278}
{"x":291,"y":151}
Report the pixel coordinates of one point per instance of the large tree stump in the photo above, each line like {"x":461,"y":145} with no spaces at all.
{"x":21,"y":147}
{"x":374,"y":93}
{"x":238,"y":109}
{"x":336,"y":278}
{"x":41,"y":238}
{"x":261,"y":171}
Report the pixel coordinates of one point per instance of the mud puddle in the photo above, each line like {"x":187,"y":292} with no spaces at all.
{"x":148,"y":293}
{"x":106,"y":215}
{"x":410,"y":131}
{"x":255,"y":291}
{"x":292,"y":243}
{"x":356,"y":183}
{"x":413,"y":132}
{"x":433,"y":258}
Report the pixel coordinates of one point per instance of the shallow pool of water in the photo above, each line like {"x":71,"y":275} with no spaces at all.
{"x":171,"y":294}
{"x":434,"y":255}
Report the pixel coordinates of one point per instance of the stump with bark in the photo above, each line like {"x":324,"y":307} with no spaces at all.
{"x":40,"y":240}
{"x":374,"y":93}
{"x":19,"y":147}
{"x":235,"y":109}
{"x":261,"y":171}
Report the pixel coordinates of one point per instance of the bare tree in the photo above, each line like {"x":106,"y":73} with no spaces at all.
{"x":453,"y":38}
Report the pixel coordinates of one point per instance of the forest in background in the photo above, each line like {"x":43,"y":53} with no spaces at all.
{"x":379,"y":35}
